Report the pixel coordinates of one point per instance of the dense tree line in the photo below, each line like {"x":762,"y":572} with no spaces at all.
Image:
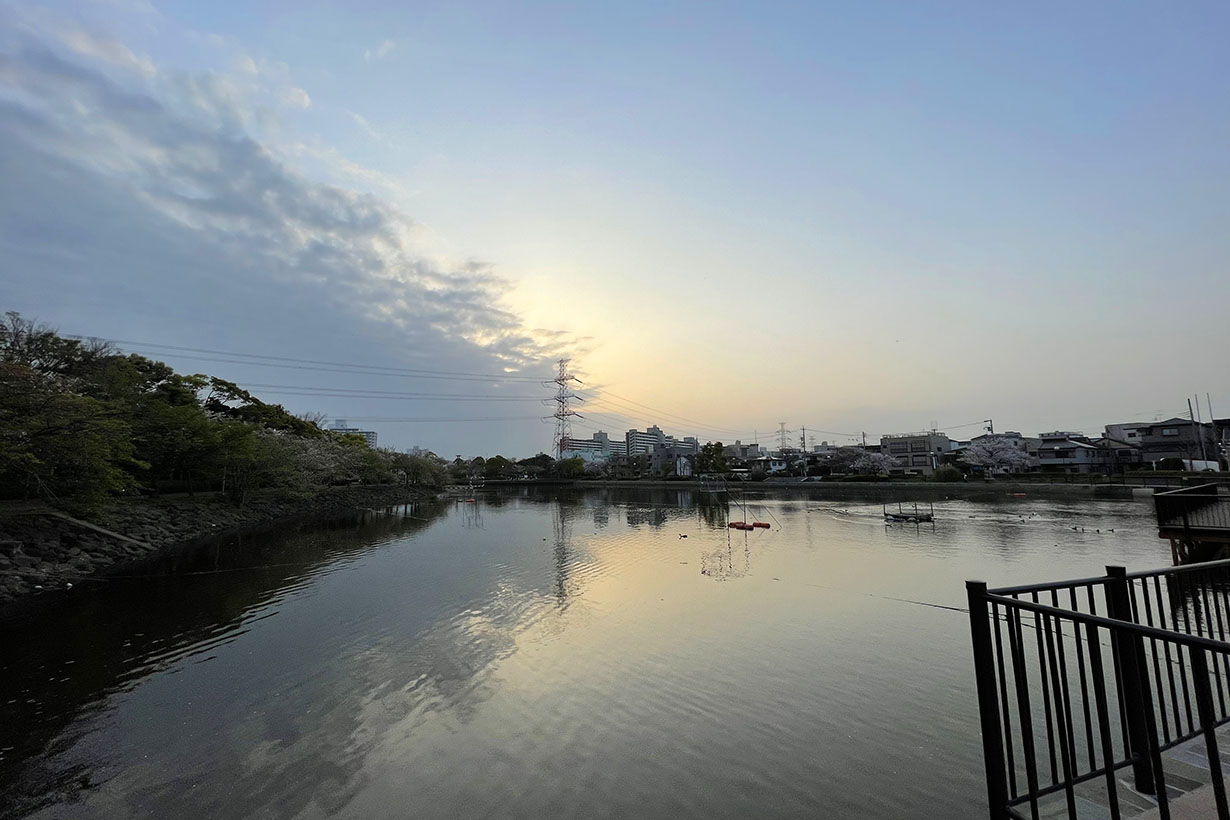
{"x":81,"y":422}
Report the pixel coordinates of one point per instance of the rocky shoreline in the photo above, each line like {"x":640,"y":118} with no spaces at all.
{"x":42,"y":549}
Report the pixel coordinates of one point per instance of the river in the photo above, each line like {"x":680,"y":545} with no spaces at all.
{"x":611,"y":653}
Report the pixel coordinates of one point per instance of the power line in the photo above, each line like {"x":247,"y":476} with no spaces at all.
{"x":614,"y":398}
{"x":265,"y":360}
{"x":342,"y":392}
{"x":411,"y":420}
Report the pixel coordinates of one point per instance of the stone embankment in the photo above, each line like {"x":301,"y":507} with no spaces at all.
{"x":42,"y":549}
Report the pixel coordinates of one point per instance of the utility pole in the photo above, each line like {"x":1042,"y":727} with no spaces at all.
{"x":864,"y":439}
{"x":1198,"y":427}
{"x":563,"y":412}
{"x":803,"y":439}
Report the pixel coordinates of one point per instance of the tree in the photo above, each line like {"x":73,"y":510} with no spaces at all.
{"x":542,"y":461}
{"x":874,"y":463}
{"x":843,"y":460}
{"x":570,"y":467}
{"x":995,"y":455}
{"x":711,"y":459}
{"x":497,"y":467}
{"x":417,"y":467}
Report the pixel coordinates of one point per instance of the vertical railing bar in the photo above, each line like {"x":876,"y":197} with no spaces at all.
{"x":1104,"y":733}
{"x":1199,"y":588}
{"x":1133,"y":681}
{"x":1003,"y":691}
{"x":1016,"y":642}
{"x":1061,"y":723}
{"x":1181,"y":581}
{"x":1070,"y":735}
{"x":1080,"y":665}
{"x":1172,"y":594}
{"x":988,"y":706}
{"x":1208,"y":621}
{"x":1154,"y":750}
{"x":1157,"y":669}
{"x":1046,"y":699}
{"x":1211,"y":594}
{"x":1208,"y":721}
{"x":1181,"y":584}
{"x":1174,"y":694}
{"x":1220,"y":592}
{"x":1165,"y":659}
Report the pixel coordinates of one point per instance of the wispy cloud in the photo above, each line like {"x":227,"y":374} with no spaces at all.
{"x":182,"y":151}
{"x":108,"y":50}
{"x":379,"y":52}
{"x":366,"y":127}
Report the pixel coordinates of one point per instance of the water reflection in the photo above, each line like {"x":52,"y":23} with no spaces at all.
{"x":549,"y":653}
{"x":59,"y":667}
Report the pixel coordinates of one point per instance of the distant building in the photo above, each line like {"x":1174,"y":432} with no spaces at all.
{"x":1173,"y":438}
{"x":769,"y":464}
{"x":1119,"y":456}
{"x":673,"y":460}
{"x":916,"y":453}
{"x":340,"y":426}
{"x":1064,"y":451}
{"x":638,"y":442}
{"x":742,"y":452}
{"x":597,"y":448}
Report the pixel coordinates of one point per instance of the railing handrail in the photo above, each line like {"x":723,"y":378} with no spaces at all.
{"x":1049,"y":585}
{"x":1196,"y":567}
{"x":1189,"y":490}
{"x":1191,"y":641}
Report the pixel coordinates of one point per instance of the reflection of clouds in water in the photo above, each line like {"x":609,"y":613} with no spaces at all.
{"x":303,"y":751}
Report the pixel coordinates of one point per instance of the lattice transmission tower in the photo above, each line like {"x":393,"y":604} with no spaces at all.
{"x":563,"y":410}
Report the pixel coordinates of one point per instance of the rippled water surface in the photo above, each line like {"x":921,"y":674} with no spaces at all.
{"x":568,"y":654}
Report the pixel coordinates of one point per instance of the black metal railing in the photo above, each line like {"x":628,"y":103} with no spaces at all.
{"x":1082,"y":682}
{"x":1203,"y":507}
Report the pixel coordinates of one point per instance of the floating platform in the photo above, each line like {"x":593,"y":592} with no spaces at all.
{"x":911,"y":516}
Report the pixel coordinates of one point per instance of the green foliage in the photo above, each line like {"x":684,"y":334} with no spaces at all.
{"x":80,"y":422}
{"x":947,"y":472}
{"x":570,"y":467}
{"x":711,"y":459}
{"x":499,"y":467}
{"x":542,"y":461}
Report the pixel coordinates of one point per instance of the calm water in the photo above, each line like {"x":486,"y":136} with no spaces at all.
{"x":551,"y":655}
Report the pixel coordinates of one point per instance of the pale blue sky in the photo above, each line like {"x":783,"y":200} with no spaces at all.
{"x":855,"y":216}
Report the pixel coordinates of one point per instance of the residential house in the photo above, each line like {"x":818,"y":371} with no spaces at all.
{"x":1068,"y":452}
{"x":1175,"y":438}
{"x":916,"y":453}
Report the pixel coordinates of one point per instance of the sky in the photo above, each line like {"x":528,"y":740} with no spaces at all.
{"x":846,"y":217}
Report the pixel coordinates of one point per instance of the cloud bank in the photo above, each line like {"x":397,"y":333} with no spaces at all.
{"x":130,"y":183}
